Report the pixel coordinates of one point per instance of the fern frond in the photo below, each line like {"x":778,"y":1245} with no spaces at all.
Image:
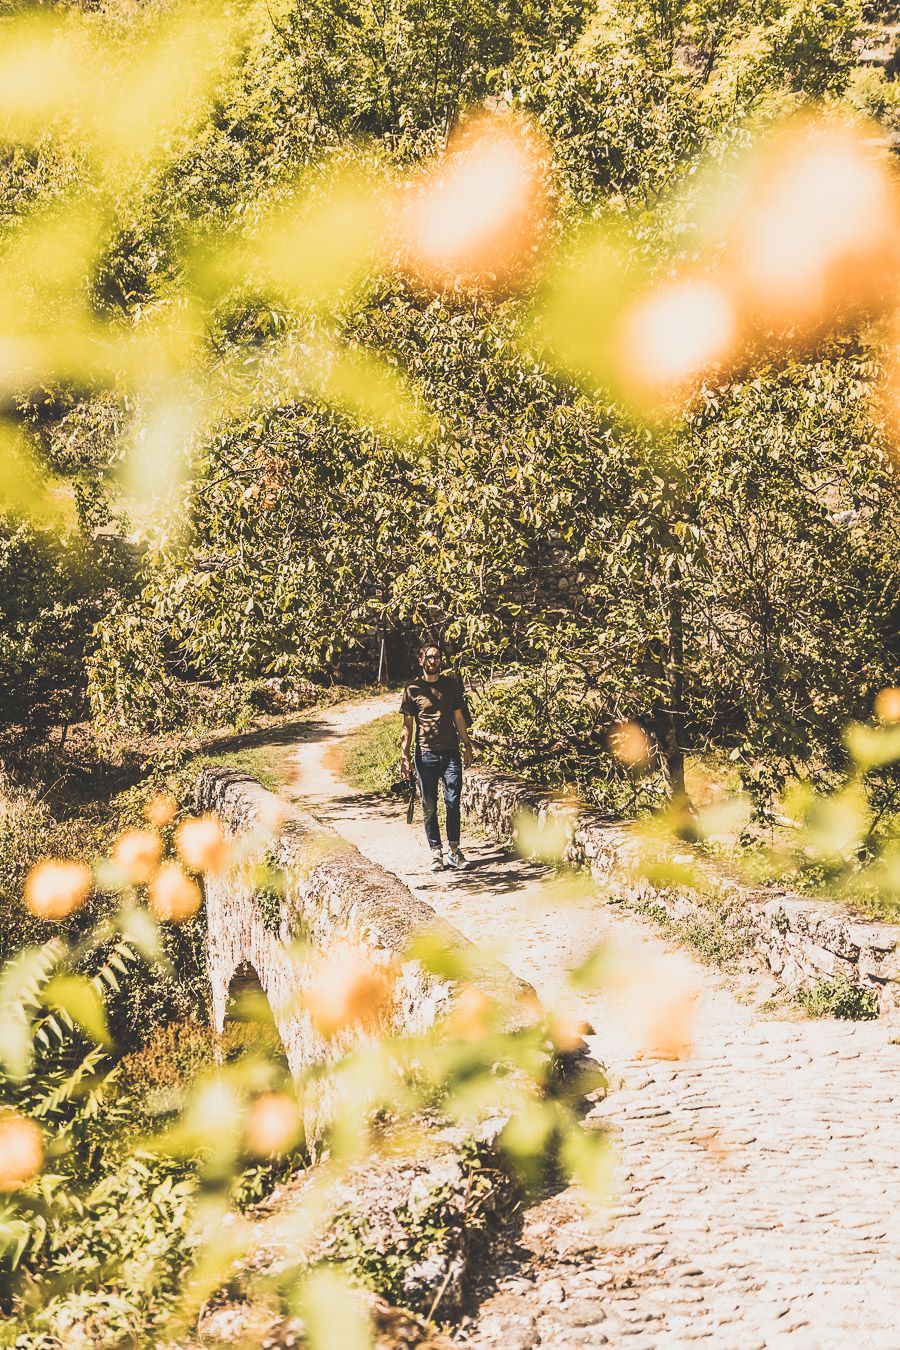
{"x":20,"y":995}
{"x":117,"y":962}
{"x":68,"y":1088}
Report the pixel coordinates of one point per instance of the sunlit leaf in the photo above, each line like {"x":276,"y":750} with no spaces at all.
{"x":322,"y":244}
{"x":589,"y":1160}
{"x":21,"y":982}
{"x":138,"y":927}
{"x":873,"y":747}
{"x":334,"y":1312}
{"x":543,"y":839}
{"x":24,"y":490}
{"x":76,"y":996}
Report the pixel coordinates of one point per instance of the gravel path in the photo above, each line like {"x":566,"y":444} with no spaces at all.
{"x":758,"y":1191}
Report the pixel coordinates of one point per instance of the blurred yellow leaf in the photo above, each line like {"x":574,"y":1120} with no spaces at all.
{"x":544,"y":839}
{"x":574,"y":319}
{"x":453,"y":962}
{"x":725,"y":820}
{"x":124,"y":99}
{"x":837,"y":825}
{"x":365,"y":386}
{"x":595,"y":971}
{"x":526,"y":1133}
{"x":589,"y":1160}
{"x":873,"y":747}
{"x":24,"y":490}
{"x":334,"y":1312}
{"x":138,"y":926}
{"x":160,"y":82}
{"x":320,"y":246}
{"x":76,"y":995}
{"x":46,"y":66}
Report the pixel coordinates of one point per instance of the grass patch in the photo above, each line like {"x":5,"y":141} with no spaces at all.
{"x":270,"y":764}
{"x":706,"y":935}
{"x":838,"y":997}
{"x":371,"y":755}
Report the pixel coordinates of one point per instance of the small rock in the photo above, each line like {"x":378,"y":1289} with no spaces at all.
{"x":585,"y":1312}
{"x":599,"y":1275}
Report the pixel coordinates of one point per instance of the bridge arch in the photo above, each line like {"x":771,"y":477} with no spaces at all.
{"x":249,"y":1020}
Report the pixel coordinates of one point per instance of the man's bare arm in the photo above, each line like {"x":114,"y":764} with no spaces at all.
{"x":460,"y":721}
{"x":406,"y":736}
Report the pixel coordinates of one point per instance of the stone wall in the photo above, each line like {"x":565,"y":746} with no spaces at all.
{"x":331,"y":893}
{"x":801,"y":942}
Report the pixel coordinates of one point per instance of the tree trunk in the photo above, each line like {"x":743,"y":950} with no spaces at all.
{"x":675,"y":733}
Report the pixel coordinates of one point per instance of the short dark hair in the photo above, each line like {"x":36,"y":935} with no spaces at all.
{"x":426,"y":646}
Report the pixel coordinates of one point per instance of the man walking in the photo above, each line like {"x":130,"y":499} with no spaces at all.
{"x":434,"y":704}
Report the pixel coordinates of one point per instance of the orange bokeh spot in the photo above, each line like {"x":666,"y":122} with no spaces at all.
{"x":161,"y":809}
{"x":174,"y":896}
{"x":529,"y":1006}
{"x":567,"y":1034}
{"x":657,"y":1001}
{"x":669,"y":1031}
{"x":136,"y":854}
{"x":470,"y":1016}
{"x":348,"y":990}
{"x":887,"y":705}
{"x":55,"y":888}
{"x":202,"y":845}
{"x":21,"y":1151}
{"x":818,"y":232}
{"x":668,"y":338}
{"x":629,"y":745}
{"x":273,"y":1124}
{"x":477,"y":214}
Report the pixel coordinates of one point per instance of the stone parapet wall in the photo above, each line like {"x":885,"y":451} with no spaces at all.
{"x":800,"y":941}
{"x":331,"y":893}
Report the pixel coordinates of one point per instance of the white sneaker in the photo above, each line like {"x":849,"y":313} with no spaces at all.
{"x":437,"y":860}
{"x":456,"y":857}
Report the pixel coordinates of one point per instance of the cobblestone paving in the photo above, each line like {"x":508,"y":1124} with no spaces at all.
{"x":758,"y":1203}
{"x":758,"y":1188}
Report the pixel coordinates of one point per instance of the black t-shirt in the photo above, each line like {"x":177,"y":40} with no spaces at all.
{"x":432,"y":703}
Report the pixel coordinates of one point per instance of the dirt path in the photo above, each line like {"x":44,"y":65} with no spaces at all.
{"x":758,"y":1194}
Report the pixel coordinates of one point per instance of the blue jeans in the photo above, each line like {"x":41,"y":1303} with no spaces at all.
{"x":433,"y":766}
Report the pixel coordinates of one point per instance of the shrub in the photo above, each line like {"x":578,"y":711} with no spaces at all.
{"x":30,"y":831}
{"x":839,"y":997}
{"x":157,"y":1077}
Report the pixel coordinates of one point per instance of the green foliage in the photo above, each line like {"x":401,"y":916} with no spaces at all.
{"x":103,"y":1236}
{"x":122,"y":1235}
{"x":406,"y":72}
{"x":839,"y":997}
{"x":111,"y":1258}
{"x":157,"y":1078}
{"x":872,"y":93}
{"x":302,"y":532}
{"x":431,"y":1229}
{"x":549,"y":725}
{"x":269,"y":882}
{"x":176,"y":987}
{"x":53,"y":592}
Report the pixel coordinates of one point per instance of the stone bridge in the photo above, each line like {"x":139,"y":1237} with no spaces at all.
{"x":260,"y":937}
